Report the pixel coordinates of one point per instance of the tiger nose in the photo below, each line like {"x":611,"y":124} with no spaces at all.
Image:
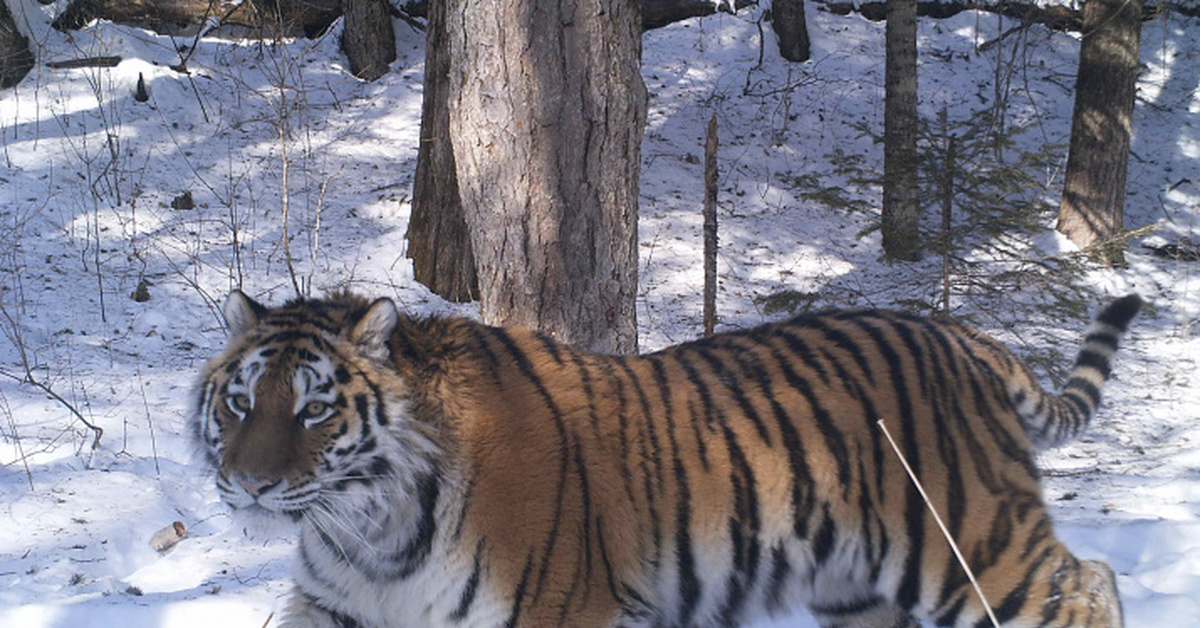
{"x":254,"y":485}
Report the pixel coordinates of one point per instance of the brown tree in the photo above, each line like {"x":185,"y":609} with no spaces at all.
{"x":438,"y":243}
{"x":791,"y":29}
{"x":546,"y":110}
{"x":367,"y":38}
{"x":1092,"y":210}
{"x":901,"y":206}
{"x":15,"y":58}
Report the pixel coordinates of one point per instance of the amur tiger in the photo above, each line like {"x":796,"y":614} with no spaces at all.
{"x":447,"y":473}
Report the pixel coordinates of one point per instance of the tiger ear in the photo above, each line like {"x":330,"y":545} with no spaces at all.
{"x":372,"y":331}
{"x":241,"y":312}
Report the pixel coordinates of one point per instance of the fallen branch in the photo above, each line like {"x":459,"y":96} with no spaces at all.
{"x":84,"y":62}
{"x":169,"y":15}
{"x":313,"y":16}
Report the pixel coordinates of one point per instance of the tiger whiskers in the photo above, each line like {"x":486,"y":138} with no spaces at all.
{"x":941,"y":526}
{"x":324,"y":519}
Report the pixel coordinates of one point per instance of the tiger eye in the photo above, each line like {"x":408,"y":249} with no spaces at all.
{"x":315,"y":408}
{"x":241,"y":403}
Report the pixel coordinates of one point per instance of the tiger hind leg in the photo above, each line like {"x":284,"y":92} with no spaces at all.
{"x":870,"y":611}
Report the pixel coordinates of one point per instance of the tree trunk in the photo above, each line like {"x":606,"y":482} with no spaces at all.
{"x":787,"y":20}
{"x":1093,"y":202}
{"x":367,"y":38}
{"x":438,"y":242}
{"x":15,"y":58}
{"x":901,"y":209}
{"x":547,"y":108}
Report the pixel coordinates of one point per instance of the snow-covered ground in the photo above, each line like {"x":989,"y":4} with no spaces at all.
{"x":92,"y":204}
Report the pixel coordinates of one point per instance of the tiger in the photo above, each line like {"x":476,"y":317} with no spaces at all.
{"x":441,"y":472}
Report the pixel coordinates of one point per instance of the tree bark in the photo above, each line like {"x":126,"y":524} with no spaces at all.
{"x":1092,"y":210}
{"x":547,"y":108}
{"x":15,"y":58}
{"x":438,"y":242}
{"x":901,"y":209}
{"x":787,"y":20}
{"x":367,"y":38}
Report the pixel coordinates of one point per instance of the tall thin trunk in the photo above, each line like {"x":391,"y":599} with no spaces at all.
{"x":546,"y":114}
{"x":1092,"y":210}
{"x":901,"y":209}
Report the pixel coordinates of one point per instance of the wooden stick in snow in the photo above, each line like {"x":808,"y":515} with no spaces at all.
{"x":710,"y":227}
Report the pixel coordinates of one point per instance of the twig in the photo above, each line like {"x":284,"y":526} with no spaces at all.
{"x":149,"y":421}
{"x":941,"y":526}
{"x":97,"y":430}
{"x":12,"y":423}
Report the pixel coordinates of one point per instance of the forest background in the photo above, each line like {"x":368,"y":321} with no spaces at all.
{"x":269,"y":167}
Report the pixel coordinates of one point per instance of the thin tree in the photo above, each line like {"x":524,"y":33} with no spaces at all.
{"x":1092,"y":210}
{"x":901,"y":208}
{"x":546,"y":114}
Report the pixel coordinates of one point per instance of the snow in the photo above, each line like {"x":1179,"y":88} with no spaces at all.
{"x":90,"y":175}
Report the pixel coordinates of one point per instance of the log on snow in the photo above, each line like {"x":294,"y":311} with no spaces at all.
{"x":274,"y":16}
{"x":313,"y":16}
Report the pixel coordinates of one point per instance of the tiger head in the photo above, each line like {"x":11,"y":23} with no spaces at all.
{"x":302,"y":412}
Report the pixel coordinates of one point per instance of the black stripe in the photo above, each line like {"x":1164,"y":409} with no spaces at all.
{"x":419,"y":546}
{"x":800,"y":348}
{"x":654,"y":483}
{"x":585,"y":499}
{"x":843,"y":341}
{"x":835,"y":440}
{"x":610,"y":578}
{"x":848,"y":608}
{"x":469,"y":591}
{"x":909,"y":589}
{"x":802,"y":480}
{"x":1102,"y":337}
{"x":781,"y":569}
{"x":689,"y":585}
{"x":1085,"y":389}
{"x":519,"y":594}
{"x":698,"y":430}
{"x":744,"y":529}
{"x":1018,"y":595}
{"x":733,"y":383}
{"x":1094,"y":360}
{"x":623,"y":424}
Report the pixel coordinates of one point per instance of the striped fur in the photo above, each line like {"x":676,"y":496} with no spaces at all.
{"x":445,"y":473}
